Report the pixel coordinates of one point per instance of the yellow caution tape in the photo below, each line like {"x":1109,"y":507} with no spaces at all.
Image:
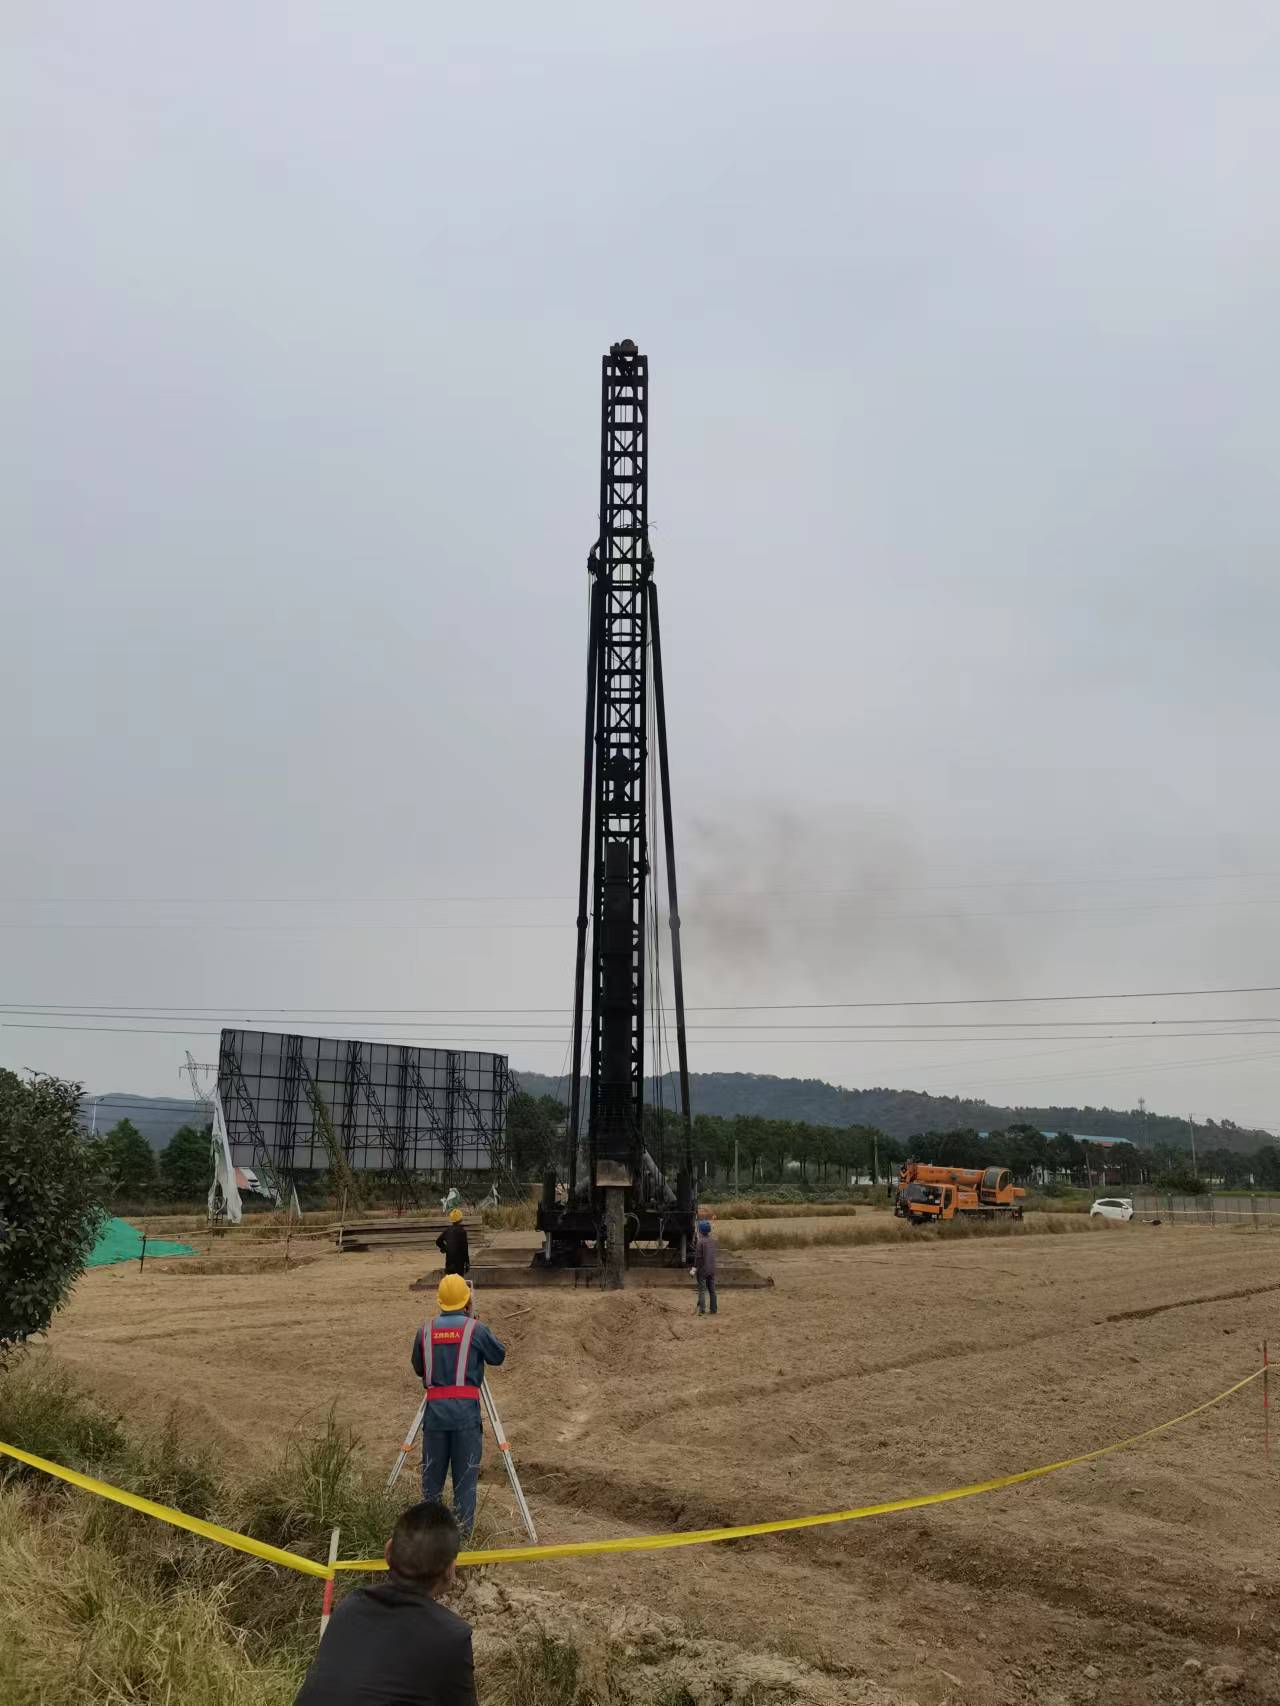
{"x":164,"y":1513}
{"x":705,"y":1536}
{"x":593,"y":1548}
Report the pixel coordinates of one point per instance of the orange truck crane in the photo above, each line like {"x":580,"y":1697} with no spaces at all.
{"x":929,"y":1193}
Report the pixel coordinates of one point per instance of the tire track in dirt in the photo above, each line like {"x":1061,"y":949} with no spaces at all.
{"x":731,"y":1397}
{"x":1190,"y":1303}
{"x":1035,"y":1573}
{"x":1038,"y":1574}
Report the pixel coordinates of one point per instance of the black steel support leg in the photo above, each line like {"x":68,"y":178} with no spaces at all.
{"x":584,"y":880}
{"x":673,"y":900}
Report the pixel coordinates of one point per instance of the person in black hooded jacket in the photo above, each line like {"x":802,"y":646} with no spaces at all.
{"x":453,"y":1243}
{"x":394,"y":1644}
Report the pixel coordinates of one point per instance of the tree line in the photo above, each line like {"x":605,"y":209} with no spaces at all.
{"x":131,"y":1171}
{"x":904,"y":1114}
{"x":772,"y":1150}
{"x":758,"y":1151}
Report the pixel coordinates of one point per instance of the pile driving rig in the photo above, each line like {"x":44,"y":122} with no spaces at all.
{"x":620,"y":1190}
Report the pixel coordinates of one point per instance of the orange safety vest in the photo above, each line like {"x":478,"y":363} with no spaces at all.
{"x":459,"y":1336}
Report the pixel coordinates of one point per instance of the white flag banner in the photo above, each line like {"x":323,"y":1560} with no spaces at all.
{"x":224,"y":1193}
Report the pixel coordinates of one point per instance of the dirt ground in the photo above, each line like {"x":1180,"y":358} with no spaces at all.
{"x":867,"y":1374}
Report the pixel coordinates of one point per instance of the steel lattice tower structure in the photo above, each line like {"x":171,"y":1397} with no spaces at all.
{"x":621,"y":1182}
{"x":621,"y":565}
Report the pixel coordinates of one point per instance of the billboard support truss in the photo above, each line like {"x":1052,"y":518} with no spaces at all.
{"x":397,"y":1110}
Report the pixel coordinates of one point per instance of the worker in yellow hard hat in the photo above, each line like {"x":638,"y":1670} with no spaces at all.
{"x":453,"y":1243}
{"x":449,"y":1357}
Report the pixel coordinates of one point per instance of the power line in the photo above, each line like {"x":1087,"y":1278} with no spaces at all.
{"x":715,"y":1007}
{"x":549,"y":899}
{"x":299,"y":1015}
{"x":1148,"y":1066}
{"x":711,"y":1042}
{"x":162,"y":1104}
{"x":690,"y":921}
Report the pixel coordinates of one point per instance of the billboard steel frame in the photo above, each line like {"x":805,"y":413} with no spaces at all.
{"x":397,"y":1109}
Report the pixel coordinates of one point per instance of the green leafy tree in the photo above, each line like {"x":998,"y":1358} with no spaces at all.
{"x":806,"y":1145}
{"x":535,"y":1133}
{"x":779,"y":1138}
{"x":848,"y":1152}
{"x":748,"y":1133}
{"x":712,"y":1145}
{"x":50,"y":1208}
{"x":1227,"y":1167}
{"x":951,"y":1149}
{"x":1181,"y":1181}
{"x":128,"y":1161}
{"x":1027,"y":1151}
{"x":186,"y":1164}
{"x":1063,"y":1154}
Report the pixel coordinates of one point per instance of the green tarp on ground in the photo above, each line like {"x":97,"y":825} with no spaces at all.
{"x":120,"y":1242}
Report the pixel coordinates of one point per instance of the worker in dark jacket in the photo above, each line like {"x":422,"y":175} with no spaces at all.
{"x":453,"y":1242}
{"x":449,"y":1357}
{"x":394,"y":1644}
{"x":704,"y":1268}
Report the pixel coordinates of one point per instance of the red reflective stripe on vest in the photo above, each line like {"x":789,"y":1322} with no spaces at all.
{"x":460,"y":1336}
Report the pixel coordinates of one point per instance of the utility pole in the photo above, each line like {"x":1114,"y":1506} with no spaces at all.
{"x":1191,"y":1124}
{"x":735,"y":1166}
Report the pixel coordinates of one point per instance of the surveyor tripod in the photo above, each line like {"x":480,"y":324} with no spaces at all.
{"x":499,"y":1434}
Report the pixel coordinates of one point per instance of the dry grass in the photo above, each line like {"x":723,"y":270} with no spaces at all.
{"x":745,"y":1208}
{"x":511,"y":1217}
{"x":543,"y":1669}
{"x":79,"y":1627}
{"x":100,"y":1606}
{"x":885,"y":1229}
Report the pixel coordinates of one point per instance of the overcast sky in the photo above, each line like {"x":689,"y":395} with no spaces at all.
{"x":964,"y":367}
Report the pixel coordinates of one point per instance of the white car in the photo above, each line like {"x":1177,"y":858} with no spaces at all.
{"x":1113,"y":1208}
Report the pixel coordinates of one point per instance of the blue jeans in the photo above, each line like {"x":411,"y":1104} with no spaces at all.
{"x":706,"y":1288}
{"x":457,"y":1451}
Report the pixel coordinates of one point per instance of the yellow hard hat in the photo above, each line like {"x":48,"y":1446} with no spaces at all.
{"x":455,"y":1215}
{"x":453,"y":1293}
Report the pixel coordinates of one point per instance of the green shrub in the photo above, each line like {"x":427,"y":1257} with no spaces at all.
{"x":320,"y":1486}
{"x":50,"y":1202}
{"x":47,"y":1412}
{"x":1182,"y":1182}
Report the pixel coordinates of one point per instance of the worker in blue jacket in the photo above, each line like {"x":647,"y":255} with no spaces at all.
{"x":449,"y":1357}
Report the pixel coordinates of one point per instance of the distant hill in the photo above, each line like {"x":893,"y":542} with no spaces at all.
{"x":903,"y":1113}
{"x":899,"y":1113}
{"x":156,"y":1117}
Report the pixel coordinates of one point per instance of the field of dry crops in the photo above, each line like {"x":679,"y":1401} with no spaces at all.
{"x":868,"y":1373}
{"x":879,"y":1226}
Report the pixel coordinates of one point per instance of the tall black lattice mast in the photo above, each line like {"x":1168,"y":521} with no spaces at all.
{"x":621,"y":1181}
{"x":621,"y":565}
